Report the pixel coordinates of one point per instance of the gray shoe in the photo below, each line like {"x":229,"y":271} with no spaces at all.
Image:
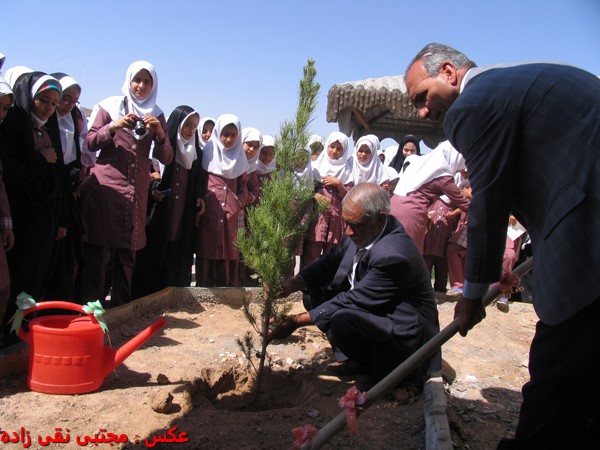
{"x":502,"y":304}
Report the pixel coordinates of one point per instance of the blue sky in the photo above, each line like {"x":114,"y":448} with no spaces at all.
{"x":245,"y":57}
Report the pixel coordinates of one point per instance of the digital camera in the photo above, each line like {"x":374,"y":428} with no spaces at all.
{"x":140,"y":127}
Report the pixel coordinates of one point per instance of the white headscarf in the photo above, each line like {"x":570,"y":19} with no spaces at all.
{"x":262,"y":168}
{"x":115,"y":106}
{"x":201,"y":127}
{"x":66,"y":125}
{"x":42,"y":84}
{"x":13,"y":74}
{"x":185,"y":153}
{"x":308,"y":173}
{"x":252,"y":134}
{"x":391,"y":173}
{"x":147,"y":105}
{"x":373,"y":171}
{"x":314,"y":138}
{"x":338,"y":168}
{"x":389,"y":153}
{"x":230,"y":162}
{"x":442,"y":161}
{"x":6,"y":90}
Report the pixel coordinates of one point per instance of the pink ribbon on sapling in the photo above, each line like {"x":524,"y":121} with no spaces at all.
{"x":303,"y":435}
{"x":351,"y":401}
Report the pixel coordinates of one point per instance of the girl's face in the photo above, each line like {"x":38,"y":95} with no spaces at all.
{"x":189,"y":127}
{"x":68,"y":100}
{"x":389,"y":185}
{"x":45,"y":104}
{"x":409,"y":149}
{"x":386,"y":185}
{"x":250,"y":148}
{"x":207,"y":130}
{"x":267,"y":154}
{"x":335,"y":150}
{"x":229,"y":135}
{"x":364,"y":154}
{"x":5,"y":104}
{"x":141,"y":85}
{"x":316,"y":148}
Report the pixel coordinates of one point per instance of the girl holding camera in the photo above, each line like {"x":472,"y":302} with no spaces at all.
{"x":113,"y":205}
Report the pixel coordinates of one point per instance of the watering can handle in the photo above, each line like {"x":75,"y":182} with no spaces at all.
{"x":56,"y":304}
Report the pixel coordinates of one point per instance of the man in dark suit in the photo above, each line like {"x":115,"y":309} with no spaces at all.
{"x":530,"y":134}
{"x":371,"y":294}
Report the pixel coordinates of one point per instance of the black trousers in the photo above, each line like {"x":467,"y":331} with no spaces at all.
{"x":561,"y":402}
{"x":375,"y":342}
{"x":104,"y":265}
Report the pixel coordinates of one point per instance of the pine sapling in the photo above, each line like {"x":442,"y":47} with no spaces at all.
{"x":277,"y":225}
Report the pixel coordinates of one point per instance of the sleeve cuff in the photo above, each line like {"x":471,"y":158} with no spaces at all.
{"x":474,"y":291}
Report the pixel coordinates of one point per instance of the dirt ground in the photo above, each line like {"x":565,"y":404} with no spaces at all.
{"x":196,"y":360}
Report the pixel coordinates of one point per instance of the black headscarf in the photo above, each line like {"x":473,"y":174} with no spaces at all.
{"x":175,"y":118}
{"x":398,"y":161}
{"x":73,"y":171}
{"x":45,"y":183}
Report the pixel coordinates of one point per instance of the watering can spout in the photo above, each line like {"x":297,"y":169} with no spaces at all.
{"x":115,"y":357}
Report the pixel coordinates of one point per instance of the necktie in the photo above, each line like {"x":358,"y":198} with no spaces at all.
{"x":359,"y":254}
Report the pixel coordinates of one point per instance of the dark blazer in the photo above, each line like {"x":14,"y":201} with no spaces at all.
{"x":530,"y":135}
{"x":391,"y":280}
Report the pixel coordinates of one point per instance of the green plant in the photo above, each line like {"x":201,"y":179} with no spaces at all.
{"x":277,"y":225}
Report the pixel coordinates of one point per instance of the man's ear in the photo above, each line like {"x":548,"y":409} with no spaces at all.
{"x":449,"y":73}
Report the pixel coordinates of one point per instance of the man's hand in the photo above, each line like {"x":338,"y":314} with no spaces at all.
{"x":282,"y":329}
{"x":8,"y":238}
{"x":61,"y":233}
{"x":321,"y":200}
{"x":469,"y":313}
{"x":287,"y":325}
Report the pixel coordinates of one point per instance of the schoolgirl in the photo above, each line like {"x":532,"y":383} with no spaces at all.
{"x":179,"y":204}
{"x":423,"y":180}
{"x":216,"y":254}
{"x":366,"y":166}
{"x":266,"y":160}
{"x":335,"y":172}
{"x":30,"y":150}
{"x":114,"y":202}
{"x":205,"y":129}
{"x":7,"y":99}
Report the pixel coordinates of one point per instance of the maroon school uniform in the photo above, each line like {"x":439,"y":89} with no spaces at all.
{"x":113,"y":209}
{"x":329,"y":228}
{"x":217,"y":255}
{"x":411,"y":209}
{"x":115,"y":201}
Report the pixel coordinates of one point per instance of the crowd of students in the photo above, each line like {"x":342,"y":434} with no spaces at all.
{"x":86,"y":210}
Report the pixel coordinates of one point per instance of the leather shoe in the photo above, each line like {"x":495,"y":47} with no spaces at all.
{"x":346,"y":368}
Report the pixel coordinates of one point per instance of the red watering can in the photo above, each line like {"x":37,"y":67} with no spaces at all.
{"x":67,"y":354}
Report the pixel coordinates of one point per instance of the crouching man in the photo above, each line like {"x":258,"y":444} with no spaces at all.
{"x":371,"y":294}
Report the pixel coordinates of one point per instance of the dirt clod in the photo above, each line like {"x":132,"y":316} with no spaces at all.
{"x":162,"y":402}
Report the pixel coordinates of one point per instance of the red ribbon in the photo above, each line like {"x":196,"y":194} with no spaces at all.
{"x":303,"y":435}
{"x":351,"y":400}
{"x":509,"y":283}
